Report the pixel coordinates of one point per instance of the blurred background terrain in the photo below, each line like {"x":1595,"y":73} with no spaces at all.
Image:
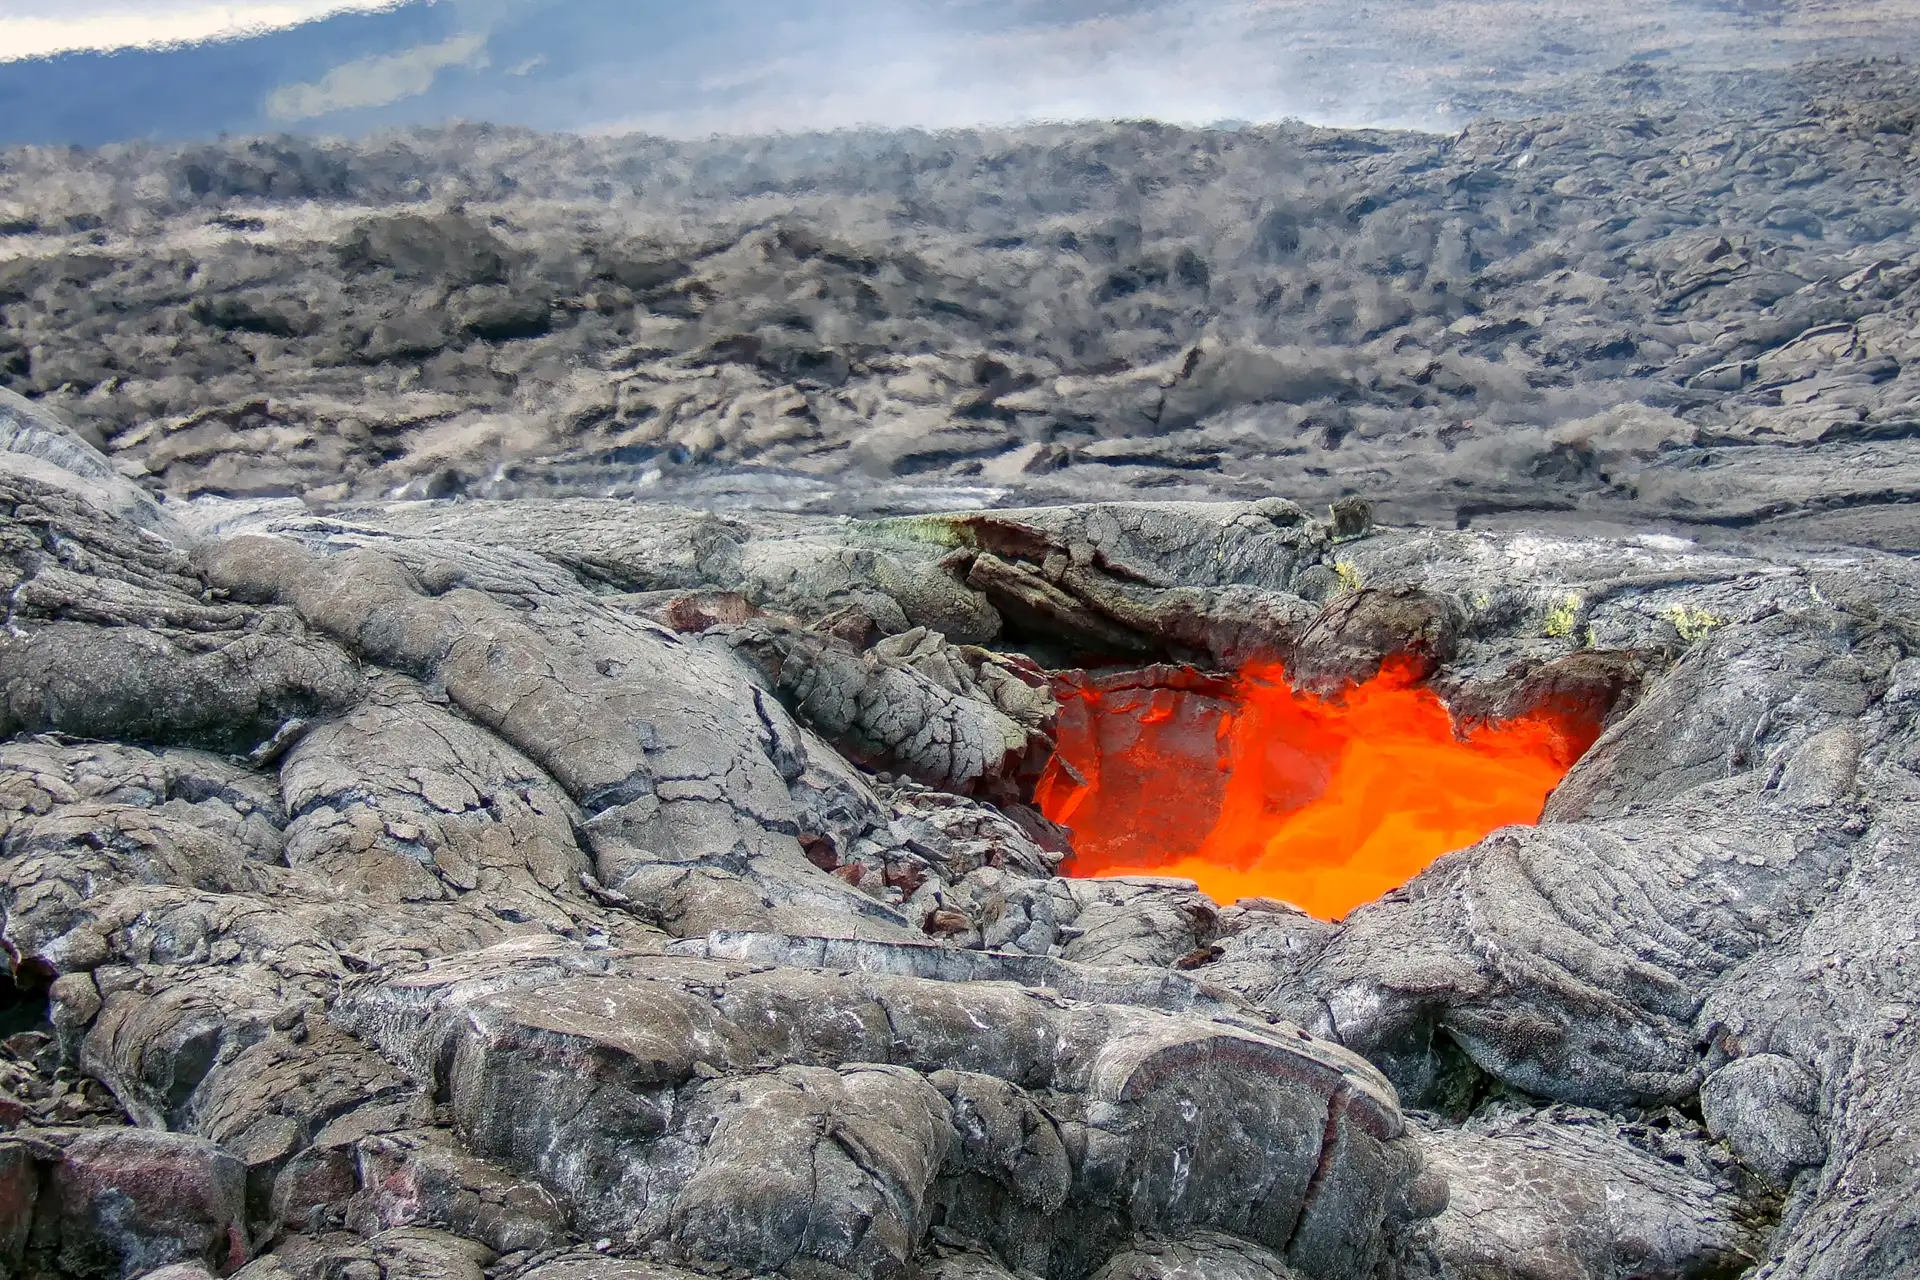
{"x":1658,"y":271}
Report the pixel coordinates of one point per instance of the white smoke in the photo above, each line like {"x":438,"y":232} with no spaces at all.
{"x":758,"y":66}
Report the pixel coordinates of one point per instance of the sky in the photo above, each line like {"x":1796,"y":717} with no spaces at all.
{"x":36,"y":28}
{"x":90,"y":72}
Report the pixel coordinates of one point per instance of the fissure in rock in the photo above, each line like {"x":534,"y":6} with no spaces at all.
{"x":1254,"y":789}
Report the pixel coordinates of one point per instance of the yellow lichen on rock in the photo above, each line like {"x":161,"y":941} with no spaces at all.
{"x":1693,"y":624}
{"x":1561,"y":618}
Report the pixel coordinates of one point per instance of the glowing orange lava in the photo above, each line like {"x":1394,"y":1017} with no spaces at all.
{"x":1255,"y":790}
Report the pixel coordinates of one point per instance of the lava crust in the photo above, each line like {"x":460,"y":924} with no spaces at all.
{"x":422,"y":857}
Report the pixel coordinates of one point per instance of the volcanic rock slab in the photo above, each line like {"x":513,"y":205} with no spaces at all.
{"x":507,"y":925}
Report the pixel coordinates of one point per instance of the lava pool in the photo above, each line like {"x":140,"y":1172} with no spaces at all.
{"x":1254,"y":789}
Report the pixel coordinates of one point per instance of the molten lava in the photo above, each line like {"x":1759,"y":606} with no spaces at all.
{"x":1253,"y":789}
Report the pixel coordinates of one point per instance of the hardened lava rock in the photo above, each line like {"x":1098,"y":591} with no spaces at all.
{"x":389,"y":977}
{"x":404,"y":896}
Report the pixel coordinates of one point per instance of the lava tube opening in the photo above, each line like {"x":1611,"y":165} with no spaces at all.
{"x":1252,"y":788}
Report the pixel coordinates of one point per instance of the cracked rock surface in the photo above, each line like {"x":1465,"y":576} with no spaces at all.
{"x":413,"y":866}
{"x":457,"y":903}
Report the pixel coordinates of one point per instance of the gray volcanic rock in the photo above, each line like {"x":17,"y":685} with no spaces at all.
{"x":914,"y":705}
{"x":1561,"y":1192}
{"x":404,"y":1251}
{"x":125,"y":1202}
{"x":1763,"y":1106}
{"x":129,"y":643}
{"x":418,"y":884}
{"x":35,"y":444}
{"x":409,"y":966}
{"x":1196,"y":1256}
{"x":617,"y":1086}
{"x":1658,"y":309}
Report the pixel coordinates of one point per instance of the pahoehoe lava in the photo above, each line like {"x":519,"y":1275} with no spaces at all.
{"x":546,"y":681}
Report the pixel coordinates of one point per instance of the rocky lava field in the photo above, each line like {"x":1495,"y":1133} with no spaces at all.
{"x":529,"y":663}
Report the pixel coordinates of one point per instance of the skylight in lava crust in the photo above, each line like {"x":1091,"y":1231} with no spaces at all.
{"x":1254,"y":789}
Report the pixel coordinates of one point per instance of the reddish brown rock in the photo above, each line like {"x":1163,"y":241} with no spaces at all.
{"x":122,"y":1202}
{"x":19,"y":1191}
{"x":704,"y":610}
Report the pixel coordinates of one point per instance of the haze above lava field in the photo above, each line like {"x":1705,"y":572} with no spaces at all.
{"x":746,"y":66}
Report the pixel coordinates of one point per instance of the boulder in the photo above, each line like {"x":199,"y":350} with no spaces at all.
{"x":120,"y":1203}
